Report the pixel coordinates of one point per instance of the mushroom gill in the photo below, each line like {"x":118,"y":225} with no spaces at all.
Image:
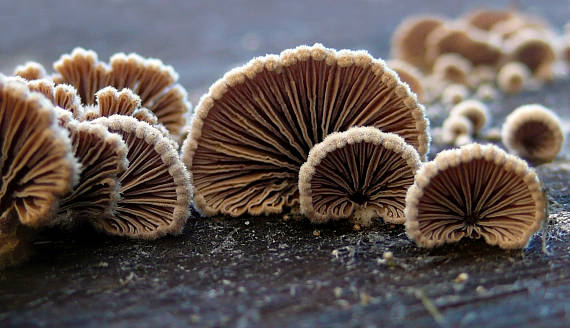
{"x":472,"y":192}
{"x":63,"y":96}
{"x":30,"y":71}
{"x":155,"y":188}
{"x":150,"y":79}
{"x":37,"y":166}
{"x":359,"y":174}
{"x":533,"y":132}
{"x":254,"y":129}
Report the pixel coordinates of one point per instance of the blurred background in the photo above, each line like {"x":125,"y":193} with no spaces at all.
{"x":204,"y":39}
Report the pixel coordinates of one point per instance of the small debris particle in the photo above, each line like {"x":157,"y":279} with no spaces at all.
{"x":462,"y":277}
{"x":128,"y":279}
{"x":356,"y":227}
{"x":103,"y":264}
{"x":195,"y":318}
{"x":335,"y":253}
{"x":286,"y":217}
{"x":246,"y":222}
{"x":337,"y":292}
{"x":241,"y":289}
{"x":480,"y":289}
{"x":364,"y":298}
{"x":316,"y":233}
{"x":388,"y":256}
{"x":226,"y":282}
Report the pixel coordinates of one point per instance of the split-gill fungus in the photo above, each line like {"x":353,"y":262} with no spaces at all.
{"x":485,"y":19}
{"x":360,"y":174}
{"x":453,"y":68}
{"x":454,"y":94}
{"x":30,"y":71}
{"x":408,"y":74}
{"x":37,"y":165}
{"x":473,"y":110}
{"x":534,"y":49}
{"x":513,"y":77}
{"x":254,"y":129}
{"x":63,"y":96}
{"x":409,"y":39}
{"x":475,"y":192}
{"x":533,"y":132}
{"x":155,"y":188}
{"x":150,"y":79}
{"x":455,"y":126}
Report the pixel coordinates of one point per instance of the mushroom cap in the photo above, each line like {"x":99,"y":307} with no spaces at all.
{"x":487,"y":92}
{"x":408,"y":74}
{"x":533,"y":132}
{"x":513,"y":77}
{"x":534,"y":49}
{"x":150,"y":79}
{"x":475,"y":111}
{"x":454,"y":94}
{"x":409,"y":39}
{"x":103,"y":157}
{"x":482,"y":74}
{"x":254,"y":129}
{"x":30,"y":71}
{"x":467,"y":42}
{"x":485,"y":19}
{"x":37,"y":164}
{"x":155,"y":189}
{"x":456,"y":125}
{"x":507,"y":28}
{"x":475,"y":191}
{"x":452,"y":67}
{"x":63,"y":96}
{"x":362,"y":173}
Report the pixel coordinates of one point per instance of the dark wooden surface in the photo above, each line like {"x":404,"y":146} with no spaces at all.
{"x":266,"y":271}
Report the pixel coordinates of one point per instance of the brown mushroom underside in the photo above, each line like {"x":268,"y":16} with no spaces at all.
{"x":255,"y":128}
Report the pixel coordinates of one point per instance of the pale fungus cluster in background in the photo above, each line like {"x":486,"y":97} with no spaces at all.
{"x":312,"y":131}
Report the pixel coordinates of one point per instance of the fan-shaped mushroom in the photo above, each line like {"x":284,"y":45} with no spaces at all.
{"x":454,"y":94}
{"x":255,"y":127}
{"x":155,"y":188}
{"x":472,"y":192}
{"x":455,"y":126}
{"x":533,"y":132}
{"x":534,"y":49}
{"x":484,"y":19}
{"x":30,"y":71}
{"x":36,"y":164}
{"x":150,"y":79}
{"x":513,"y":77}
{"x":453,"y":68}
{"x":475,"y":111}
{"x":63,"y":96}
{"x":409,"y":39}
{"x":486,"y":92}
{"x":361,"y":174}
{"x":408,"y":74}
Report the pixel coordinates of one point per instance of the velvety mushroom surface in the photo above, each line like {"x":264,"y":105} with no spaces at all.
{"x":37,"y":166}
{"x":150,"y":79}
{"x":63,"y":96}
{"x":254,"y":129}
{"x":475,"y":192}
{"x":155,"y":188}
{"x":358,"y":174}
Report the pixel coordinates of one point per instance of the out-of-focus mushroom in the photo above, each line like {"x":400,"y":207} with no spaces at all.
{"x":30,"y":71}
{"x":472,"y":192}
{"x":155,"y":188}
{"x":482,"y":74}
{"x":254,"y":129}
{"x":484,"y":19}
{"x":359,"y":174}
{"x":408,"y":74}
{"x":507,"y":28}
{"x":103,"y":158}
{"x":37,"y":164}
{"x":453,"y":68}
{"x":513,"y":77}
{"x":455,"y":126}
{"x":63,"y":96}
{"x":475,"y":111}
{"x":454,"y":94}
{"x":533,"y":49}
{"x":467,"y":42}
{"x":533,"y":132}
{"x":408,"y":41}
{"x":150,"y":79}
{"x":487,"y":92}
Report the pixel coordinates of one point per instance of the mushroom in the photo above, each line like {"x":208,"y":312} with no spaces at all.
{"x":150,"y":79}
{"x":534,"y":49}
{"x":475,"y":111}
{"x":487,"y":92}
{"x":472,"y":192}
{"x":409,"y":39}
{"x":453,"y":68}
{"x":408,"y":74}
{"x":513,"y":77}
{"x":155,"y":189}
{"x":467,"y":42}
{"x":63,"y":96}
{"x":455,"y":126}
{"x":361,"y":174}
{"x":533,"y":132}
{"x":482,"y":74}
{"x":454,"y":94}
{"x":485,"y":19}
{"x":103,"y":158}
{"x":37,"y":164}
{"x":254,"y":129}
{"x":507,"y":28}
{"x":30,"y":71}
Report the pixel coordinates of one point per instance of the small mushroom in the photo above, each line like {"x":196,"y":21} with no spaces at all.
{"x":485,"y":19}
{"x":150,"y":79}
{"x":454,"y":94}
{"x":534,"y":49}
{"x":63,"y":96}
{"x":475,"y":111}
{"x":408,"y":74}
{"x":254,"y":129}
{"x":513,"y":77}
{"x":482,"y":74}
{"x":360,"y":174}
{"x":30,"y":71}
{"x":155,"y":188}
{"x":472,"y":192}
{"x":487,"y":92}
{"x":507,"y":28}
{"x":533,"y":132}
{"x":409,"y":39}
{"x":37,"y":165}
{"x":453,"y":68}
{"x":455,"y":126}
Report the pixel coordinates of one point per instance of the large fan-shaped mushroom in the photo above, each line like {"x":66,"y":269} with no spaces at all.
{"x":361,"y":174}
{"x":534,"y":49}
{"x":255,"y":127}
{"x":150,"y":79}
{"x":472,"y":192}
{"x":30,"y":71}
{"x":155,"y":189}
{"x":408,"y":74}
{"x":37,"y":165}
{"x":484,"y":19}
{"x":63,"y":96}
